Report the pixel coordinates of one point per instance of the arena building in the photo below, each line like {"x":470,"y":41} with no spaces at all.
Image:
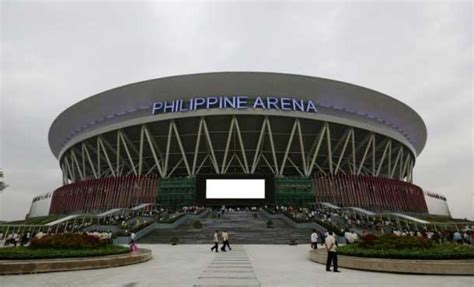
{"x":309,"y":139}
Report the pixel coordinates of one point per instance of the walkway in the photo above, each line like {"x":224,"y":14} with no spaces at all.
{"x":231,"y":268}
{"x":183,"y":265}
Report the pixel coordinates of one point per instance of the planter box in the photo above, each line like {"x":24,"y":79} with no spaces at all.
{"x":8,"y":267}
{"x":410,"y":266}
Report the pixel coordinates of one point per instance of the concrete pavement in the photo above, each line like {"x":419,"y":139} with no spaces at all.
{"x":271,"y":265}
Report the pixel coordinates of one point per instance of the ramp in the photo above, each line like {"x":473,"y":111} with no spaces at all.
{"x":109,"y":212}
{"x":69,"y":217}
{"x":330,"y":205}
{"x":364,"y":211}
{"x":411,"y":218}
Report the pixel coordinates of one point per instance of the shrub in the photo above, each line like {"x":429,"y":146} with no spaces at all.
{"x":197,"y":224}
{"x":368,"y":240}
{"x":292,"y":240}
{"x":436,"y":251}
{"x":19,"y":253}
{"x":392,"y":241}
{"x":174,"y":240}
{"x":269,"y":224}
{"x":68,"y":241}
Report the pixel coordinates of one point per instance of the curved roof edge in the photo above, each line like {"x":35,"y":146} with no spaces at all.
{"x":325,"y":92}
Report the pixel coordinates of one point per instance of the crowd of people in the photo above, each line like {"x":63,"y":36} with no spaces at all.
{"x":350,"y":225}
{"x":125,"y":220}
{"x":17,"y":239}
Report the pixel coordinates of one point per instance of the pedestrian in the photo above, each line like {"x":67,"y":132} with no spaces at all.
{"x":457,"y":237}
{"x":216,"y":241}
{"x":225,"y":240}
{"x":223,"y":235}
{"x":132,"y":237}
{"x":24,"y":239}
{"x":323,"y":237}
{"x":314,"y":239}
{"x":133,"y":246}
{"x":9,"y":239}
{"x":331,"y":248}
{"x":16,"y":238}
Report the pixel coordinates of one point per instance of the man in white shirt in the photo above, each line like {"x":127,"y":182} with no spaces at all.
{"x":349,"y":237}
{"x":314,"y":239}
{"x":225,"y":241}
{"x":39,"y":235}
{"x":331,"y":247}
{"x":216,"y":241}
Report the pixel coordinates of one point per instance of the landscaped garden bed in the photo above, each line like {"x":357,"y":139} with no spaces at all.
{"x":438,"y":251}
{"x":67,"y":252}
{"x":406,"y":247}
{"x":404,"y":254}
{"x":62,"y":246}
{"x":20,"y":253}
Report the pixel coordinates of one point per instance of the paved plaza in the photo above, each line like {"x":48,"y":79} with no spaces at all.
{"x":245,"y":265}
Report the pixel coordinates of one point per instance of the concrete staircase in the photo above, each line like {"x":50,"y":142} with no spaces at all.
{"x":242,"y":226}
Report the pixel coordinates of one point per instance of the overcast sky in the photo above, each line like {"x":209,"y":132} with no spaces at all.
{"x":55,"y":54}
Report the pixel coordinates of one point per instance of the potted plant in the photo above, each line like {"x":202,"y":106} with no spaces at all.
{"x":174,"y":240}
{"x":270,"y":224}
{"x":292,"y":240}
{"x":197,"y":224}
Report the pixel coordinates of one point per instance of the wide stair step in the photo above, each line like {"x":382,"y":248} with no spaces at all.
{"x":242,"y":226}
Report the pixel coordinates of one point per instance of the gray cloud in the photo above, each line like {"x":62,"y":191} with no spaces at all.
{"x":55,"y":54}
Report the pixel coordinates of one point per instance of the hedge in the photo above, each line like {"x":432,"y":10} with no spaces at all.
{"x":405,"y":247}
{"x":436,"y":251}
{"x":392,"y":241}
{"x":17,"y":253}
{"x":67,"y":241}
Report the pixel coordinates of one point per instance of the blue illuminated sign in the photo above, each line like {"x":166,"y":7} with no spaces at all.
{"x":234,"y":102}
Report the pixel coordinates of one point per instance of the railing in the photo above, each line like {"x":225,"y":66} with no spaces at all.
{"x":65,"y":224}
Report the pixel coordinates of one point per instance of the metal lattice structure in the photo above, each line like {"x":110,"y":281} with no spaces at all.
{"x":370,"y":192}
{"x":282,"y":146}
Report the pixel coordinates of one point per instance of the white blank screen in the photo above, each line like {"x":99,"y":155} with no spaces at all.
{"x":235,"y":188}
